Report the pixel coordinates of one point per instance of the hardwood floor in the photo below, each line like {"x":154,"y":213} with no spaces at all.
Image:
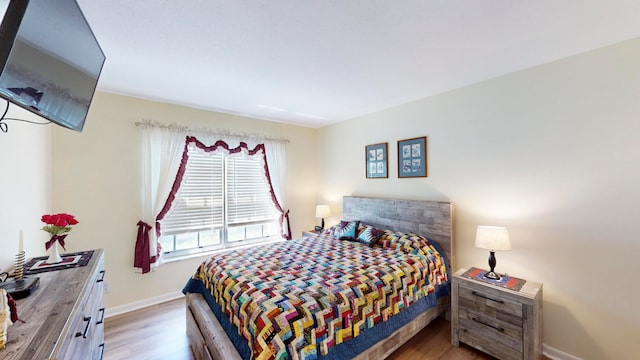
{"x":154,"y":333}
{"x":158,"y":333}
{"x":434,"y":342}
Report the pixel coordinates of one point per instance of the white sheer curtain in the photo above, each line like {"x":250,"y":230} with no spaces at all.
{"x":276,"y":153}
{"x":162,"y":149}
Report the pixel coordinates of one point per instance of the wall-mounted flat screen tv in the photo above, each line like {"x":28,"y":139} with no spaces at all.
{"x":50,"y":60}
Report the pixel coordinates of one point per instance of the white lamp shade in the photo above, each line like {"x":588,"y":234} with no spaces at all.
{"x":493,"y":238}
{"x":322,"y":211}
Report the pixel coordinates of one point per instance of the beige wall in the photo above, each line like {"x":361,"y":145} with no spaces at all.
{"x":97,"y":178}
{"x":25,"y":185}
{"x":553,"y":154}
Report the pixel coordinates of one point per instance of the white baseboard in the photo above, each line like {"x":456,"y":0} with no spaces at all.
{"x":555,"y":354}
{"x":121,"y":309}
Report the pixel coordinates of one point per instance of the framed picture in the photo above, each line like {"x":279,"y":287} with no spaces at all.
{"x":376,"y":160}
{"x":412,"y":157}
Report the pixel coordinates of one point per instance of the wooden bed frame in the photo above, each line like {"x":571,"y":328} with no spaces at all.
{"x":428,"y":218}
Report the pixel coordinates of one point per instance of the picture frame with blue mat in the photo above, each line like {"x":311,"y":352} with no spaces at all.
{"x":376,"y":161}
{"x":412,"y":157}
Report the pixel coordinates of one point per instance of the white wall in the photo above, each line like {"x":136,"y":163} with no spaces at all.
{"x":97,"y":178}
{"x":552,"y":153}
{"x":25,"y":185}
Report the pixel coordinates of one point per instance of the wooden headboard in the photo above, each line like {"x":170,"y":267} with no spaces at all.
{"x":431,"y":219}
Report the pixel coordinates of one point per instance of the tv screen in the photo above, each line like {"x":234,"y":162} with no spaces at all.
{"x":50,"y":60}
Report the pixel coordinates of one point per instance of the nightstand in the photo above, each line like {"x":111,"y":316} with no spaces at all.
{"x":310,"y":233}
{"x":502,"y":322}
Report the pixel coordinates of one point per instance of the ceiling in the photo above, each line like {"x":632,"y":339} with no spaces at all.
{"x":318,"y":62}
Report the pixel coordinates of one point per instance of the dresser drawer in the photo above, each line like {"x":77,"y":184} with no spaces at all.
{"x":55,"y":314}
{"x":78,"y":341}
{"x":85,"y":338}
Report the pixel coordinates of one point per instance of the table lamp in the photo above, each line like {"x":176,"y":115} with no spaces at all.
{"x":322,"y":211}
{"x":492,"y":238}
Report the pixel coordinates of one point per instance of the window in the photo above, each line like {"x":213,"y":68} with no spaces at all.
{"x":224,"y":201}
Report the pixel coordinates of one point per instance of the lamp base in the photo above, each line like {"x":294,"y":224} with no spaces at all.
{"x":492,"y":275}
{"x":492,"y":265}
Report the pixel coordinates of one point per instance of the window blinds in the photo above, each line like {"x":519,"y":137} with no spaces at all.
{"x":200,"y":202}
{"x":248,"y":193}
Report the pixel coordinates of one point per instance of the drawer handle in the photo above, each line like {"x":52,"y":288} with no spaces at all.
{"x":101,"y":311}
{"x":86,"y":328}
{"x":487,"y":297}
{"x":489,"y":325}
{"x":101,"y":351}
{"x":102,"y":272}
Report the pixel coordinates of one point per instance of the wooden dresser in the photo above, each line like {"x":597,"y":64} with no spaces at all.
{"x":504,"y":323}
{"x":64,"y":316}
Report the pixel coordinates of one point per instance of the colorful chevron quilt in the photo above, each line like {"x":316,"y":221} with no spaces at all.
{"x":299,"y":298}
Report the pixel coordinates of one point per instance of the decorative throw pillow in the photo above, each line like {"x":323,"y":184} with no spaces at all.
{"x":329,"y":231}
{"x":346,"y":230}
{"x":369,"y":235}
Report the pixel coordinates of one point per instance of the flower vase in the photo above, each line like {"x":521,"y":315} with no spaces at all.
{"x":52,"y":248}
{"x":54,"y":254}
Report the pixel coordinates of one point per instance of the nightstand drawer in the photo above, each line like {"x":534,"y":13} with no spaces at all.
{"x":490,"y":343}
{"x":487,"y":329}
{"x":490,"y":303}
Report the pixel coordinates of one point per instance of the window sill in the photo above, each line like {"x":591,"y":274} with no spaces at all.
{"x":216,"y":251}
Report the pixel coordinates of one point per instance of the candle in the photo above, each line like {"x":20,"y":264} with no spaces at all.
{"x":21,"y":244}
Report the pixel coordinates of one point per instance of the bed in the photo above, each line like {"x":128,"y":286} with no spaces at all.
{"x":310,"y":312}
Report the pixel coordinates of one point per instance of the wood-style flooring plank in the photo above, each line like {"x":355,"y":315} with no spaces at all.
{"x":159,"y":332}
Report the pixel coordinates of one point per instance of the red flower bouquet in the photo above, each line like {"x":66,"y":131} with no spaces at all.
{"x":57,"y":226}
